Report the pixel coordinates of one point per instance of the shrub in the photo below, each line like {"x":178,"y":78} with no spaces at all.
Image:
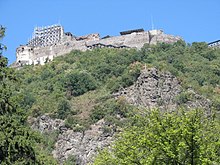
{"x":78,"y":83}
{"x":63,"y":109}
{"x":186,"y":137}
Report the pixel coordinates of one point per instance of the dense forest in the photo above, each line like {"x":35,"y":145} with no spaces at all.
{"x":78,"y":88}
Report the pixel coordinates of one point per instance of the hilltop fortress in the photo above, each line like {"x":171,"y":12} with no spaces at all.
{"x":51,"y":41}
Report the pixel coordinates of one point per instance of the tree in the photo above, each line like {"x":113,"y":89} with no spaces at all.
{"x":17,"y":141}
{"x":63,"y":109}
{"x":78,"y":83}
{"x":183,"y":137}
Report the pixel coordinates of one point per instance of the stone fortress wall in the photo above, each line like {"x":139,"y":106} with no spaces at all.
{"x":52,"y":41}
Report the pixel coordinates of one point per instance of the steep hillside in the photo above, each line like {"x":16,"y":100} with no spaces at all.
{"x":94,"y":93}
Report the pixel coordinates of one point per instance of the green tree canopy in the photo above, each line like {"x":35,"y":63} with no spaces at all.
{"x":181,"y":138}
{"x":78,"y":83}
{"x":17,"y":141}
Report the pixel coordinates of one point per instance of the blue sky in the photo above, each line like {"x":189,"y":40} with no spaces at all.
{"x":193,"y":20}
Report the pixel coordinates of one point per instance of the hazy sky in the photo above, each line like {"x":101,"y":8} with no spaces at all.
{"x":194,"y":20}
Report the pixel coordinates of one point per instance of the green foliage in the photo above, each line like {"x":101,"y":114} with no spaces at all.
{"x":15,"y":139}
{"x":183,"y":98}
{"x":64,"y":109}
{"x":198,"y":46}
{"x":111,"y":107}
{"x":126,"y":79}
{"x":78,"y":83}
{"x":183,"y":137}
{"x":71,"y":160}
{"x":76,"y":124}
{"x":49,"y":140}
{"x":71,"y":121}
{"x":28,"y":100}
{"x":18,"y":143}
{"x":2,"y":47}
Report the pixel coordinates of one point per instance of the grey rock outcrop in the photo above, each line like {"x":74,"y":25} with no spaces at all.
{"x":45,"y":123}
{"x":83,"y":146}
{"x":154,"y":88}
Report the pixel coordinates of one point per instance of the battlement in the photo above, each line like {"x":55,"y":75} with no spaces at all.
{"x":51,"y":41}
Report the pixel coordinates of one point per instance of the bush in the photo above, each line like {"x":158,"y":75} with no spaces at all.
{"x":49,"y":140}
{"x":111,"y":107}
{"x":71,"y":121}
{"x":78,"y":83}
{"x":126,"y":80}
{"x":76,"y":124}
{"x":183,"y":98}
{"x":71,"y":160}
{"x":186,"y":137}
{"x":63,"y":109}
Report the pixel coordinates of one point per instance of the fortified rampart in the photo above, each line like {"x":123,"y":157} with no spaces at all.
{"x":52,"y":41}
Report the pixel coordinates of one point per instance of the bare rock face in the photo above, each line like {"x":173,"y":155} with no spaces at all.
{"x":162,"y":90}
{"x":153,"y":89}
{"x":46,"y":124}
{"x":83,"y":146}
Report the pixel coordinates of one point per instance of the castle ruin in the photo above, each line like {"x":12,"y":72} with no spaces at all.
{"x":51,"y":41}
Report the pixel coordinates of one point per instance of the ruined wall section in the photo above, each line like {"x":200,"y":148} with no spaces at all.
{"x":137,"y":39}
{"x":133,"y":40}
{"x":50,"y":52}
{"x":165,"y":38}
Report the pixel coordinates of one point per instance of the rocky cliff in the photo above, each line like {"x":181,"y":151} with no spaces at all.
{"x":83,"y":146}
{"x":153,"y":88}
